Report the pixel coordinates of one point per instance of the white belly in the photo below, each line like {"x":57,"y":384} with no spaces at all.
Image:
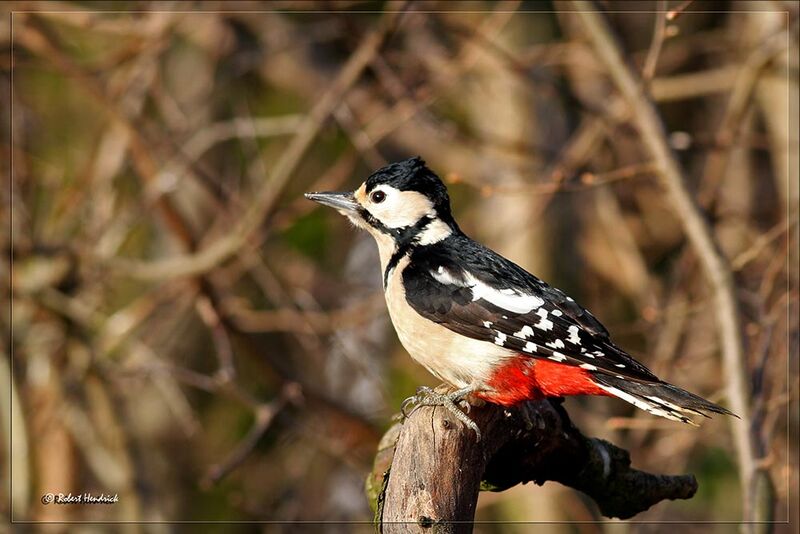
{"x":456,"y":359}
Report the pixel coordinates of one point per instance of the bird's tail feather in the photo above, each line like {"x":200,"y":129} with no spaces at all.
{"x":659,"y":398}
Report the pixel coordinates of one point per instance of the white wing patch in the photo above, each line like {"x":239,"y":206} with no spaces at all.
{"x":443,"y":276}
{"x":507,"y":298}
{"x":557,"y":356}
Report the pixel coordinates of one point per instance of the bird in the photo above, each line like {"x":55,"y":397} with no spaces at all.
{"x":481,"y":323}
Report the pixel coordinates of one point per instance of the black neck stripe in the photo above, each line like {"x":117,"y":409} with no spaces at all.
{"x":375,"y":223}
{"x":405,"y":239}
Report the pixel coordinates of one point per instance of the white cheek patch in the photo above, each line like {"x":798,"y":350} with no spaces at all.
{"x":399,"y":208}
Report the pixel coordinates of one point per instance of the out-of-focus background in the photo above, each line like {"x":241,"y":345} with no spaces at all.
{"x":192,"y":335}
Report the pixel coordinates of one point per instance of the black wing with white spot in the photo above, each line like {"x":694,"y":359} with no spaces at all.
{"x":475,"y":292}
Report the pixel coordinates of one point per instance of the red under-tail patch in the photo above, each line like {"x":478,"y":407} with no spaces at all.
{"x":524,"y":378}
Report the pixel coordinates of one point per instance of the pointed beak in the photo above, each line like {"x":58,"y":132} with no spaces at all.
{"x":344,"y":201}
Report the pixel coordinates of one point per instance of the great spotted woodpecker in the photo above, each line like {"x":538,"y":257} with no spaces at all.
{"x":479,"y":321}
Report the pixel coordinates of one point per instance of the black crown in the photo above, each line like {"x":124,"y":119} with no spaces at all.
{"x":413,"y":175}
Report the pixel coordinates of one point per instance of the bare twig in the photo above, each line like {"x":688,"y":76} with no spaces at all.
{"x":763,"y":241}
{"x":264,"y":416}
{"x":649,"y":69}
{"x":265,"y":198}
{"x":738,"y":104}
{"x":588,"y":180}
{"x":307,"y":321}
{"x":693,"y":84}
{"x":170,"y":176}
{"x":716,"y":268}
{"x":222,"y":343}
{"x":40,"y":40}
{"x":676,"y":12}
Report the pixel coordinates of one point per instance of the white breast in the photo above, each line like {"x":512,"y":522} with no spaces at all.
{"x":456,"y":359}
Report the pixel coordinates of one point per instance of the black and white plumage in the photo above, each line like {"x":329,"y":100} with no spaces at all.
{"x":479,"y":321}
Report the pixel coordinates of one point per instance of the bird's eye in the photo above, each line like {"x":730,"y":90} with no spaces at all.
{"x":377,"y":197}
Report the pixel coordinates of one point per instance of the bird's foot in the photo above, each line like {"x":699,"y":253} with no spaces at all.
{"x":426,"y":396}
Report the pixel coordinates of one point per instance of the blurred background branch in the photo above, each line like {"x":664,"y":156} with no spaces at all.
{"x":189,"y":333}
{"x":648,"y":123}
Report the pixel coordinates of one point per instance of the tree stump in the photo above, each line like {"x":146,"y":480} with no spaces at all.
{"x":430,"y":468}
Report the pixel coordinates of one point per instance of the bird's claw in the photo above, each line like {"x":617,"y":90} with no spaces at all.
{"x":426,"y":396}
{"x":415,"y":401}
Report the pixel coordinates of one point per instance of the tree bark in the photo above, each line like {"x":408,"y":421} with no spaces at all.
{"x":429,"y":469}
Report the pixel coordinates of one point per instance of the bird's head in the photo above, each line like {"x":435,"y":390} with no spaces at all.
{"x":404,"y":202}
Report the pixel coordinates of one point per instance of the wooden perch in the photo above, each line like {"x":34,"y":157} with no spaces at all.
{"x":429,"y":469}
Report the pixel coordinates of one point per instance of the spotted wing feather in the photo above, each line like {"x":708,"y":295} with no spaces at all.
{"x":442,"y":288}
